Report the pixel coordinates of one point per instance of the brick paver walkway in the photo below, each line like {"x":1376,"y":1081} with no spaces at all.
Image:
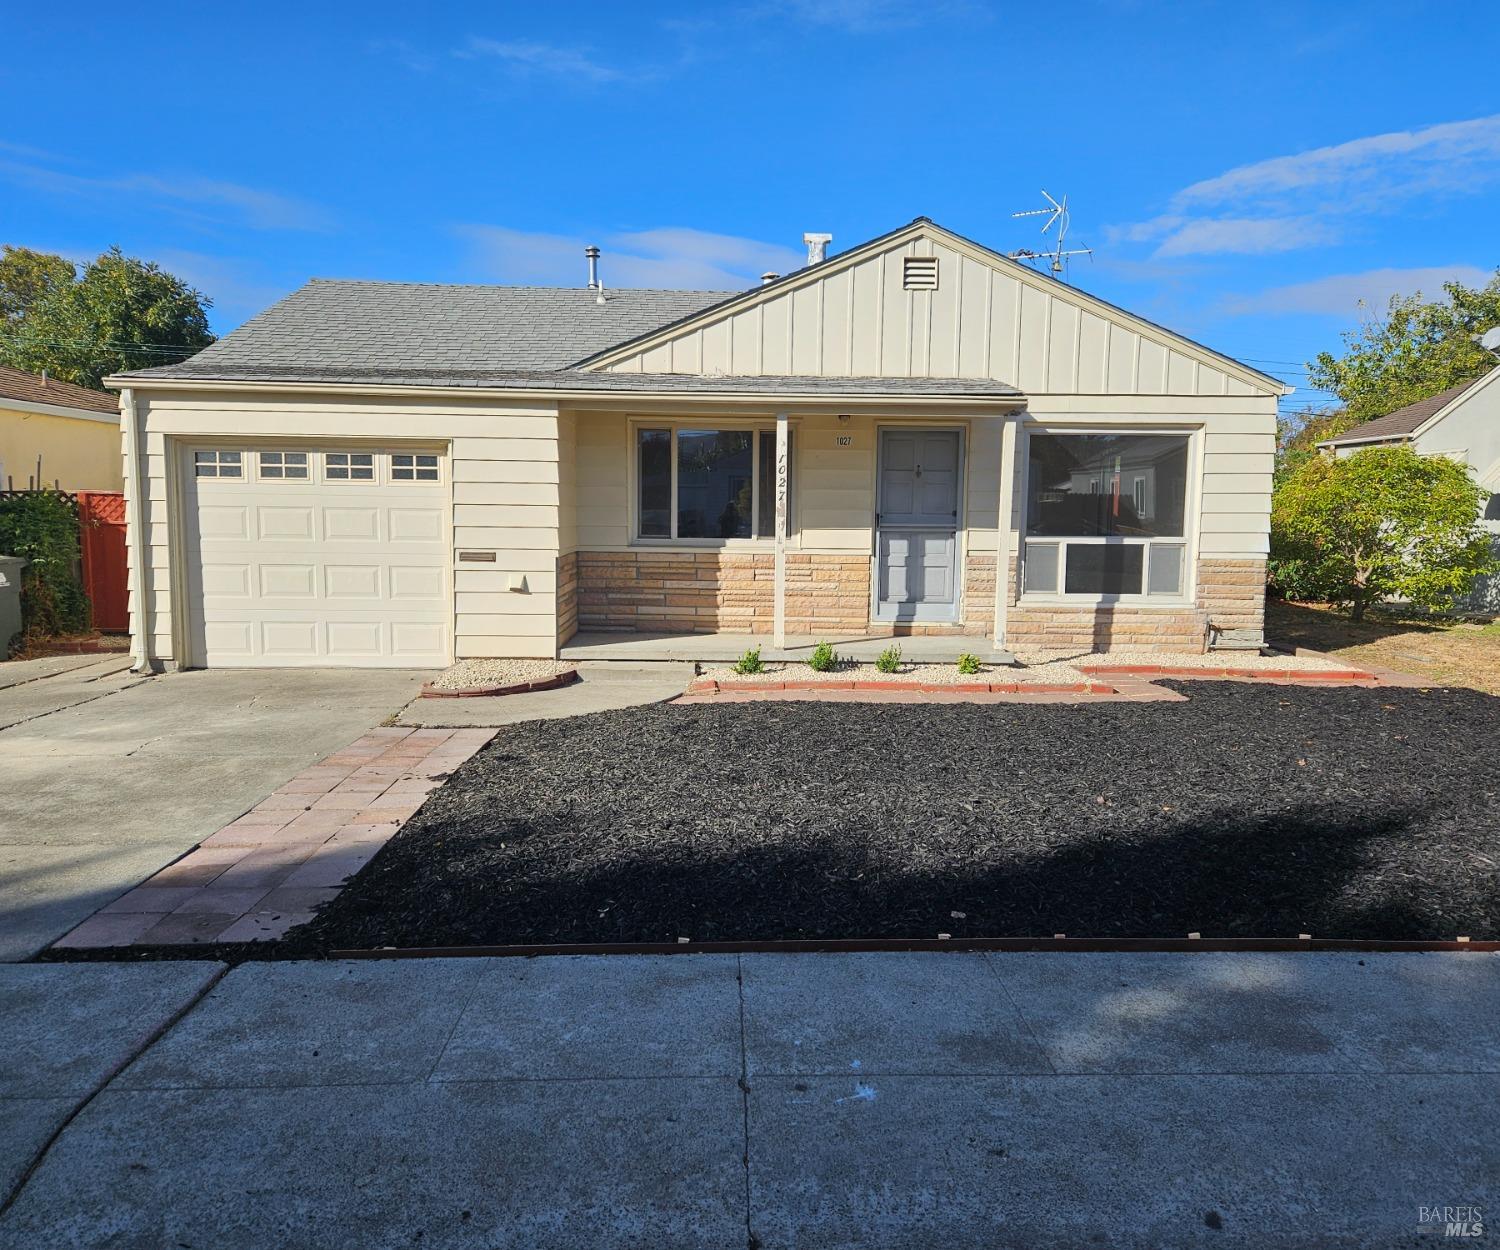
{"x":265,"y":872}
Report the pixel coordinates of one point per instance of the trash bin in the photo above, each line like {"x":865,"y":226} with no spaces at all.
{"x":10,"y":600}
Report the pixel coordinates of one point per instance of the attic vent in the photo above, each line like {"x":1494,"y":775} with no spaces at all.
{"x":919,"y":273}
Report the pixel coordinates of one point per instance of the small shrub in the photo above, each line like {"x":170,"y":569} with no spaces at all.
{"x":889,"y":660}
{"x":823,"y":658}
{"x":750,"y":662}
{"x":968,"y":664}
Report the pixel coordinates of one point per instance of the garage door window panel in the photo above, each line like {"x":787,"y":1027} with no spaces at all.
{"x":218,"y":464}
{"x":349,"y":466}
{"x":283,"y":466}
{"x":413,"y":468}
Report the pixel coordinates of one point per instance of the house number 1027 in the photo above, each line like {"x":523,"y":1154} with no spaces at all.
{"x":844,"y":440}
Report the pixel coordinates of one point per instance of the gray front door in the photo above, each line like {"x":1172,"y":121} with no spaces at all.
{"x":916,"y":525}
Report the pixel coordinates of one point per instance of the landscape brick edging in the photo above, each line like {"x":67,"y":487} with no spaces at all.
{"x":485,"y":692}
{"x":1266,"y":674}
{"x":710,"y":686}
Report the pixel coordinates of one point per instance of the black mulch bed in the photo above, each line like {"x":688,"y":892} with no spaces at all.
{"x":1249,"y":811}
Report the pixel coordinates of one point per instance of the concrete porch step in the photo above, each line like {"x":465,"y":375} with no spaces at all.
{"x":726,"y":648}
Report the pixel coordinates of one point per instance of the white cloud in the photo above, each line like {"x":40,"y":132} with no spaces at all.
{"x":194,"y":196}
{"x":1305,"y":199}
{"x":864,"y":16}
{"x":1401,"y":163}
{"x":1244,"y":236}
{"x":1342,"y":293}
{"x":529,"y":57}
{"x":234,"y":285}
{"x":670,"y":257}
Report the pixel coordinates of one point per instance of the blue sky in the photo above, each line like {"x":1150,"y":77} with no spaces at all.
{"x":1246,"y":173}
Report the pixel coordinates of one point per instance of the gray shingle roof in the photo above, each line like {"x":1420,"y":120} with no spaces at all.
{"x":488,"y":337}
{"x":584,"y":380}
{"x":1397,"y":425}
{"x":436,"y":328}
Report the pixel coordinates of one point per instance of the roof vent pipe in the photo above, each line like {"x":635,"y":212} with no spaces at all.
{"x":768,"y":277}
{"x":817,"y":247}
{"x":592,"y":253}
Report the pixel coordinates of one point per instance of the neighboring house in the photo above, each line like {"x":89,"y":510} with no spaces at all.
{"x":1463,"y":423}
{"x":72,"y":431}
{"x":374,"y":473}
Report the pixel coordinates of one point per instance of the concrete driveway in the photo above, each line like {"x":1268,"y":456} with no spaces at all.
{"x":105,"y":777}
{"x":881,"y":1100}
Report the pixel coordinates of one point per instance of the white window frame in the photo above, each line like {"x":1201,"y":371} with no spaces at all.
{"x":218,"y":464}
{"x":374,"y":467}
{"x":1187,"y":541}
{"x":414,"y":468}
{"x":260,"y":464}
{"x":762,"y":494}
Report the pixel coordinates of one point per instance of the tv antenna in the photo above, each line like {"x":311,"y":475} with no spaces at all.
{"x":1057,"y":257}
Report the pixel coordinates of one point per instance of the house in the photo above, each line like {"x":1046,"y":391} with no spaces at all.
{"x":1462,"y":422}
{"x":71,"y":432}
{"x":915,"y":436}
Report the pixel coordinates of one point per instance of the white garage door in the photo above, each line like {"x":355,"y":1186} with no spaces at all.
{"x":301,"y":557}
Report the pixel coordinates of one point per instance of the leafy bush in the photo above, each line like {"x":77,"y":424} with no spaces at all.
{"x":42,"y":528}
{"x":750,"y":662}
{"x":1384,"y":521}
{"x":968,"y":664}
{"x":823,"y":658}
{"x":889,"y":660}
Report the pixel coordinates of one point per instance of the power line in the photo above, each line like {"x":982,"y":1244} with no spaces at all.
{"x":109,"y":344}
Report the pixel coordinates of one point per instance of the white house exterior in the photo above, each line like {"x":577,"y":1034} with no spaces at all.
{"x":1462,"y":423}
{"x":917,"y":435}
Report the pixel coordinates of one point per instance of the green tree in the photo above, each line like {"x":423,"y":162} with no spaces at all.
{"x":1297,"y":440}
{"x":1384,"y":521}
{"x":25,"y":277}
{"x":1418,"y":349}
{"x":119,"y":313}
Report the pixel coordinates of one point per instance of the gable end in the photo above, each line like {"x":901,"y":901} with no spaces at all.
{"x":924,"y":302}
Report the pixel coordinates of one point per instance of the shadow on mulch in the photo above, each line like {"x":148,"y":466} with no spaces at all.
{"x":1248,"y":811}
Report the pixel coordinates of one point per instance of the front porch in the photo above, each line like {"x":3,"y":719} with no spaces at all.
{"x":725,"y":648}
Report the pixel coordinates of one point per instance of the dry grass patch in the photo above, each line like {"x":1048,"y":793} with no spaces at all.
{"x":1449,"y":653}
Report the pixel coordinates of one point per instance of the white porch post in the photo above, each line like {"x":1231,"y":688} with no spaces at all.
{"x":141,"y":624}
{"x":783,"y":439}
{"x":1008,"y":442}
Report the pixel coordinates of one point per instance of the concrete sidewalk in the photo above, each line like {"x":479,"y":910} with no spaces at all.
{"x":107,"y":777}
{"x":949,"y":1100}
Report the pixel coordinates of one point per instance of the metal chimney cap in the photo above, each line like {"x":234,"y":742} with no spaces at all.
{"x":591,"y":251}
{"x":768,"y":277}
{"x":817,"y":245}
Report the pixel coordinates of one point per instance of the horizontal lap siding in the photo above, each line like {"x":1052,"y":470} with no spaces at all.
{"x":503,"y":460}
{"x":508,"y":492}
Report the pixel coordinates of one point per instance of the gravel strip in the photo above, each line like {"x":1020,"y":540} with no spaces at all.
{"x":1183,"y":659}
{"x":1256,"y":811}
{"x":929,"y":674}
{"x":469,"y":673}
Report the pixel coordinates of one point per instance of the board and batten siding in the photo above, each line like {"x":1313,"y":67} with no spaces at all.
{"x":503,"y":464}
{"x":986,"y":319}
